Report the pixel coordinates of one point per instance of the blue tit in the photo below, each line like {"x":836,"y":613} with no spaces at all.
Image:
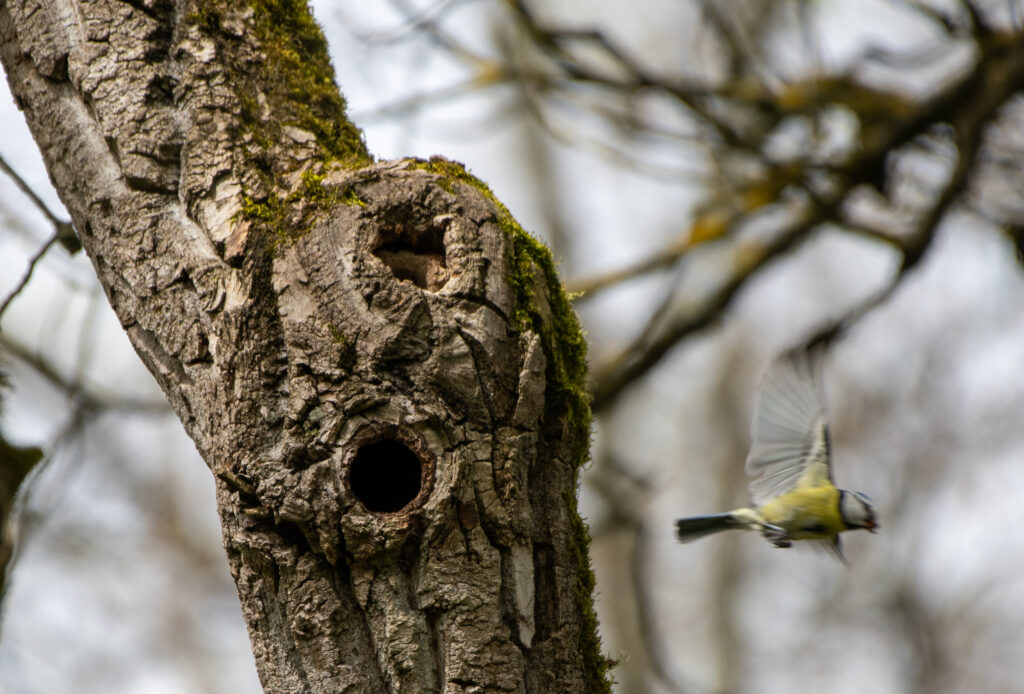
{"x":790,"y":464}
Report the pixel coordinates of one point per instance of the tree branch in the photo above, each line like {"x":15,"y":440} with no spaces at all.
{"x":997,"y":75}
{"x":36,"y":257}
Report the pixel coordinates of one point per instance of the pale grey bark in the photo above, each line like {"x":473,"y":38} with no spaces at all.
{"x":367,"y":358}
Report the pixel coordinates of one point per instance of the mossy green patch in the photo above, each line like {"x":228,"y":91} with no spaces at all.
{"x":566,"y":401}
{"x":287,"y":218}
{"x":292,"y":71}
{"x":267,"y":216}
{"x":313,"y":184}
{"x":598,"y":667}
{"x":351,"y":197}
{"x":268,"y":210}
{"x":284,"y":93}
{"x":298,"y":79}
{"x":561,"y":334}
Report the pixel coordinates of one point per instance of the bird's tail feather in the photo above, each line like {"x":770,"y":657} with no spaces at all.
{"x":690,"y":529}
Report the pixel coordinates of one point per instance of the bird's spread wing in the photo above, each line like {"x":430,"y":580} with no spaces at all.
{"x":789,"y":435}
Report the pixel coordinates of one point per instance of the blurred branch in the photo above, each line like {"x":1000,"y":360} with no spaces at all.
{"x":63,"y":231}
{"x":1016,"y":234}
{"x":554,"y":43}
{"x":27,"y":190}
{"x":995,"y":87}
{"x":745,"y":57}
{"x":934,"y":14}
{"x":28,"y":272}
{"x":574,"y":137}
{"x":713,"y":223}
{"x":586,"y":288}
{"x":16,"y":463}
{"x":88,"y":399}
{"x":635,"y":361}
{"x":968,"y":105}
{"x":410,"y":104}
{"x":420,"y":21}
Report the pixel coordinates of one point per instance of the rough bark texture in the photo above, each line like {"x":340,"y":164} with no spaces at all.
{"x":378,"y":365}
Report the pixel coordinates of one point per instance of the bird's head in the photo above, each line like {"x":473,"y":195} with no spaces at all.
{"x":857,"y":511}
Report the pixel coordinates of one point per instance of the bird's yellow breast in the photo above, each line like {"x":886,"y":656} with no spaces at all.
{"x":807,"y":513}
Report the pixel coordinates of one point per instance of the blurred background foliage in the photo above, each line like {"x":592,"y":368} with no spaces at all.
{"x":719,"y":181}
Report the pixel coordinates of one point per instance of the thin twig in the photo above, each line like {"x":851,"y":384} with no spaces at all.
{"x":63,"y":230}
{"x":29,"y":270}
{"x":664,"y":258}
{"x":637,"y":360}
{"x":409,"y":104}
{"x":573,"y":136}
{"x":998,"y":74}
{"x":417,"y":20}
{"x":968,"y":131}
{"x":27,"y":190}
{"x":638,"y":78}
{"x":87,"y":398}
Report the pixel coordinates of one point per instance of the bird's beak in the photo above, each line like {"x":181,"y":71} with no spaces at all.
{"x":871,"y":526}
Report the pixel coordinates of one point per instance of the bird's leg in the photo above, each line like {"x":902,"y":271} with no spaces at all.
{"x":776,"y":535}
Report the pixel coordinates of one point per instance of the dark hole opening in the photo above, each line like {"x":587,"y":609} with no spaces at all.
{"x":414,"y":254}
{"x":385,"y":476}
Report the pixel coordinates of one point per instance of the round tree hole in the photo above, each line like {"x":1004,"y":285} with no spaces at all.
{"x":385,"y":476}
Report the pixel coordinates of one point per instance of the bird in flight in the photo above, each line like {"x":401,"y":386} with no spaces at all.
{"x":790,"y":463}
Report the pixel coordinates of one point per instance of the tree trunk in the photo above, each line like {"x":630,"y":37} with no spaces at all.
{"x":378,"y":365}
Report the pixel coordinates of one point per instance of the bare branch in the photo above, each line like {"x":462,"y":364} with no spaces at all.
{"x":998,"y":74}
{"x":637,"y":360}
{"x":64,"y":232}
{"x":27,"y":190}
{"x":36,"y":257}
{"x":588,"y":287}
{"x":969,"y":123}
{"x":74,"y":389}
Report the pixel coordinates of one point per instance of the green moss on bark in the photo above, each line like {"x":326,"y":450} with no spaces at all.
{"x":567,"y":402}
{"x":284,"y":90}
{"x":290,"y":84}
{"x":298,"y":79}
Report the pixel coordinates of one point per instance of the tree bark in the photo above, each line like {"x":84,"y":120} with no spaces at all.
{"x":379,"y":366}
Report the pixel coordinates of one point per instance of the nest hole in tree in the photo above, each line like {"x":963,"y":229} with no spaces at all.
{"x":386,"y":476}
{"x":414,"y":252}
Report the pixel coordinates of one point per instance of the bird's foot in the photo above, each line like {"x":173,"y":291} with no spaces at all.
{"x":776,"y":535}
